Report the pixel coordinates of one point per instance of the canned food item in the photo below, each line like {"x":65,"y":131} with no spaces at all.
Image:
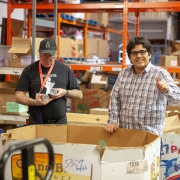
{"x":45,"y":97}
{"x":53,"y":91}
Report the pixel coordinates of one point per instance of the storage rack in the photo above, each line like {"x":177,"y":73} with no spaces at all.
{"x":124,"y":7}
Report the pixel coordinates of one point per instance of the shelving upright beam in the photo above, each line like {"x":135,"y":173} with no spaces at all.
{"x":125,"y":30}
{"x":44,"y":23}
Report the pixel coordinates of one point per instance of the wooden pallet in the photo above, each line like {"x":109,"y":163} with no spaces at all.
{"x":78,"y":118}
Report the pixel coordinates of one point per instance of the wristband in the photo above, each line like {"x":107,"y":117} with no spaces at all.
{"x":66,"y":95}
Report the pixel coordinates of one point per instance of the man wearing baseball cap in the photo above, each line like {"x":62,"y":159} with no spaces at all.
{"x":49,"y":83}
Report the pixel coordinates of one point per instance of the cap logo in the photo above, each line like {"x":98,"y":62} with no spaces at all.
{"x":47,"y":45}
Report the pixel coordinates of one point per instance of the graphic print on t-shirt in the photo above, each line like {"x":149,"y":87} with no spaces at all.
{"x":49,"y":85}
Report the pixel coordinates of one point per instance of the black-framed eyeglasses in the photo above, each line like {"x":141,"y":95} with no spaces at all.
{"x":141,"y":52}
{"x":47,"y":57}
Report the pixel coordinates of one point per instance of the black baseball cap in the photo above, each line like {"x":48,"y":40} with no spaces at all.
{"x":47,"y":46}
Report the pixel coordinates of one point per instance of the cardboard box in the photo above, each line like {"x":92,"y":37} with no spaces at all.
{"x":99,"y":81}
{"x":170,"y":149}
{"x":7,"y":99}
{"x":172,"y":124}
{"x":21,"y":51}
{"x":92,"y":47}
{"x":170,"y":160}
{"x":65,"y":47}
{"x":176,"y":44}
{"x":71,"y":48}
{"x":92,"y":98}
{"x":79,"y":48}
{"x":168,"y":61}
{"x":101,"y":18}
{"x":102,"y":51}
{"x":101,"y":111}
{"x":90,"y":153}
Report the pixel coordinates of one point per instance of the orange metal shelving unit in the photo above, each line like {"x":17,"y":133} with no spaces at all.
{"x":125,"y":7}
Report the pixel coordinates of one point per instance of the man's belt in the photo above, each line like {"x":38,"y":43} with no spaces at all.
{"x":51,"y":121}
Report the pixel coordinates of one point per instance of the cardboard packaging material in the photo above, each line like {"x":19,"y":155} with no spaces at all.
{"x":170,"y":150}
{"x":176,"y":44}
{"x":173,"y":110}
{"x":99,"y":81}
{"x":168,"y":61}
{"x":172,"y":124}
{"x":100,"y":111}
{"x":71,"y":48}
{"x":102,"y":48}
{"x":87,"y":76}
{"x":170,"y":160}
{"x":92,"y":48}
{"x":89,"y":152}
{"x":7,"y":99}
{"x":21,"y":51}
{"x":101,"y":18}
{"x":92,"y":98}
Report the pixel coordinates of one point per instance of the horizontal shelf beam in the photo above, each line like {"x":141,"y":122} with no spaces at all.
{"x":96,"y":67}
{"x":103,"y":7}
{"x":12,"y":71}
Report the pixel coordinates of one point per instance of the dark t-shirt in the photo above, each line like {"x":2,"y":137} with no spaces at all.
{"x":61,"y":77}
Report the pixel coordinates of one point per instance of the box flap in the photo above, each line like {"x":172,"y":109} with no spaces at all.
{"x":19,"y":50}
{"x":84,"y":134}
{"x":172,"y":124}
{"x":20,"y":45}
{"x":99,"y":79}
{"x":121,"y":138}
{"x":23,"y":133}
{"x":173,"y":108}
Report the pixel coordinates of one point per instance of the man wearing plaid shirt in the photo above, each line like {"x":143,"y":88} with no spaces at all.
{"x":140,"y":94}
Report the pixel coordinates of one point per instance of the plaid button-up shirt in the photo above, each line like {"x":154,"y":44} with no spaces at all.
{"x":136,"y":101}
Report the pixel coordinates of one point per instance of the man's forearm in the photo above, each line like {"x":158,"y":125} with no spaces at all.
{"x":75,"y":94}
{"x":22,"y":98}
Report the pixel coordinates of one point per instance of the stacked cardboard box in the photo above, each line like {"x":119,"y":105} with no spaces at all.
{"x":21,"y":51}
{"x":92,"y":98}
{"x":7,"y":99}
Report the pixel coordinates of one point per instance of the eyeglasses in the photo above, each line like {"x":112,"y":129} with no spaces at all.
{"x":141,"y":52}
{"x":47,"y":57}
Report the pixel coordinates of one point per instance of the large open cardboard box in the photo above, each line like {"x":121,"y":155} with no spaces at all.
{"x":127,"y":154}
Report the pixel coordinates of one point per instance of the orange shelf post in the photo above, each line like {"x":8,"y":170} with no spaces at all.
{"x":137,"y":23}
{"x":29,"y":25}
{"x":58,"y":36}
{"x":125,"y":31}
{"x":8,"y":30}
{"x":85,"y":36}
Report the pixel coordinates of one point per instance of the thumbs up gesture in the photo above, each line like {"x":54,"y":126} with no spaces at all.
{"x":162,"y":85}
